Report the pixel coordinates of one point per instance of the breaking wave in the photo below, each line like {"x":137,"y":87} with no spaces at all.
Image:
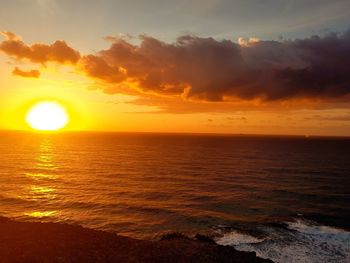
{"x":300,"y":241}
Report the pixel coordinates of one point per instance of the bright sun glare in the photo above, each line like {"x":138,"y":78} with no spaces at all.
{"x":47,"y":116}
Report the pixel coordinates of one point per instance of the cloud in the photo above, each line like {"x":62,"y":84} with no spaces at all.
{"x":97,"y":67}
{"x":343,"y":118}
{"x":248,"y":42}
{"x":59,"y":51}
{"x":197,"y":69}
{"x":10,"y":36}
{"x":27,"y":74}
{"x":211,"y":70}
{"x":237,"y":118}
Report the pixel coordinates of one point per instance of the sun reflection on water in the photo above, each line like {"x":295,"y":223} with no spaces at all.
{"x":41,"y":192}
{"x":41,"y":214}
{"x":42,"y":189}
{"x":39,"y":176}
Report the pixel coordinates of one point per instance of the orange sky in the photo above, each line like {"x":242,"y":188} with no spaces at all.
{"x":190,"y":84}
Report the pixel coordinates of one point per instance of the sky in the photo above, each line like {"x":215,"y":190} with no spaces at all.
{"x":239,"y":66}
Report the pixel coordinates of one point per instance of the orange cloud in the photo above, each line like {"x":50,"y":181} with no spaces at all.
{"x":38,"y":53}
{"x":10,"y":36}
{"x":247,"y":42}
{"x":27,"y":74}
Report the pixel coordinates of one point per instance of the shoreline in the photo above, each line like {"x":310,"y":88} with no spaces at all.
{"x":56,"y":242}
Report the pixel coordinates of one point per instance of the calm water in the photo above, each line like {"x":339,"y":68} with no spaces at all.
{"x":285,"y":198}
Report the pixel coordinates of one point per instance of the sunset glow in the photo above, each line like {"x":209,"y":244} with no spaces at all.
{"x":175,"y":131}
{"x":47,"y":116}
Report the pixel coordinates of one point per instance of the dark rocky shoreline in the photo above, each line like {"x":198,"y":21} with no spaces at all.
{"x":53,"y":242}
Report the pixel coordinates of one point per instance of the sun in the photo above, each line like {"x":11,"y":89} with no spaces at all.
{"x":47,"y":116}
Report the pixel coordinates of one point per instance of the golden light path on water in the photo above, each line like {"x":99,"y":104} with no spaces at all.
{"x":42,"y":190}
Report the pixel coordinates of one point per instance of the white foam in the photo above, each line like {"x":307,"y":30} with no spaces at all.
{"x":309,"y":228}
{"x":302,"y":243}
{"x":235,"y":238}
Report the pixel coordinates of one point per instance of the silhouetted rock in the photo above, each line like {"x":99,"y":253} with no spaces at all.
{"x":203,"y":238}
{"x":53,"y":242}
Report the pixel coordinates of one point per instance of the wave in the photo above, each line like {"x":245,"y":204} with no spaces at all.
{"x":301,"y":241}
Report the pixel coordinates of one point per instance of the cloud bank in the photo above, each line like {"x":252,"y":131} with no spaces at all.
{"x":207,"y":69}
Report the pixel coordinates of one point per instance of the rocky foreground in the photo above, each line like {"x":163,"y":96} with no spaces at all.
{"x":52,"y":242}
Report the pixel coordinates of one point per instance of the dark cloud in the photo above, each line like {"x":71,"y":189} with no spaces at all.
{"x":27,"y":74}
{"x":212,"y":70}
{"x":97,"y":67}
{"x":38,"y":53}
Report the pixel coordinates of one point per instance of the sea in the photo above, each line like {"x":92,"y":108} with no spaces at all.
{"x":286,"y":198}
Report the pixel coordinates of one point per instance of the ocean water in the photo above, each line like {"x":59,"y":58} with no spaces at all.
{"x":286,"y":198}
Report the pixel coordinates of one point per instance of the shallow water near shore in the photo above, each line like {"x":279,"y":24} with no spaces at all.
{"x":284,"y":197}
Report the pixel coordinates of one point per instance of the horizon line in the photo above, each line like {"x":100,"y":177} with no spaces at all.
{"x":179,"y":133}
